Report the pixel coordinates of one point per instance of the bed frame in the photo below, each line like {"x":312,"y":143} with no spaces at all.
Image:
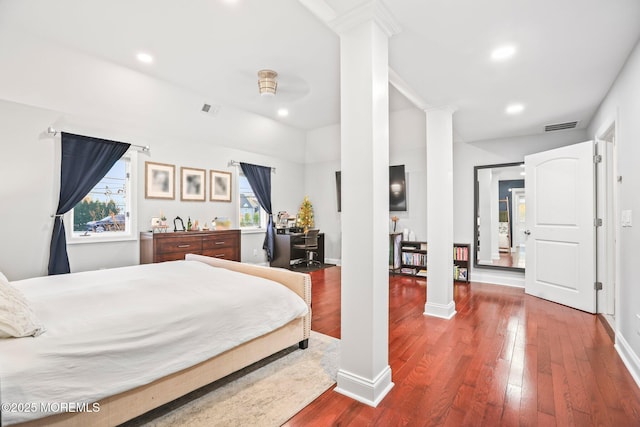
{"x":130,"y":404}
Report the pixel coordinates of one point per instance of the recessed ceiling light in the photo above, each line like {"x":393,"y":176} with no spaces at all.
{"x":144,"y":57}
{"x":283,"y":112}
{"x":515,"y":109}
{"x":503,"y":52}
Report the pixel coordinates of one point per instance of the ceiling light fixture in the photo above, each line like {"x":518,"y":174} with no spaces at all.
{"x":283,"y":112}
{"x":144,"y":57}
{"x":515,"y":109}
{"x":267,"y":83}
{"x":503,"y":52}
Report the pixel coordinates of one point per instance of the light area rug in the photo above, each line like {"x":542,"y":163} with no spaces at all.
{"x":267,"y":393}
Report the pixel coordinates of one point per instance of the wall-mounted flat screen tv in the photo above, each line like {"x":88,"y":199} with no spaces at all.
{"x":397,"y":189}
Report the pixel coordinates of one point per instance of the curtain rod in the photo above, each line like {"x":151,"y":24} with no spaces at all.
{"x":234,"y":163}
{"x":144,"y":148}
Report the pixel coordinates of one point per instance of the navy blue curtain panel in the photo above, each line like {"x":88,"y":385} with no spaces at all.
{"x":259,"y":178}
{"x":85,"y":161}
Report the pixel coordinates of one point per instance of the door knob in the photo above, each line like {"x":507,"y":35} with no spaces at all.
{"x":527,"y":232}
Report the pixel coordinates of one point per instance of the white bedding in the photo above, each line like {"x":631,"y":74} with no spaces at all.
{"x":112,"y":330}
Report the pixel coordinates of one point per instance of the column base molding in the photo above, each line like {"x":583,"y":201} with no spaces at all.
{"x":443,"y":311}
{"x":369,"y":392}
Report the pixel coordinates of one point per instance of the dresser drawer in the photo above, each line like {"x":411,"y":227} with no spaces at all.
{"x":219,"y":241}
{"x":224,"y":253}
{"x":183,"y":245}
{"x":160,"y":247}
{"x":171,"y":256}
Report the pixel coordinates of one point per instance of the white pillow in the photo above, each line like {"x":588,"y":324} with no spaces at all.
{"x":16,"y":317}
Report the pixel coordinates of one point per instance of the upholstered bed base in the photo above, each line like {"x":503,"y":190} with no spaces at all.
{"x":127,"y":405}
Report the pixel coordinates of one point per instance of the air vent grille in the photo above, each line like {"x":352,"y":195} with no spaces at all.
{"x":560,"y":126}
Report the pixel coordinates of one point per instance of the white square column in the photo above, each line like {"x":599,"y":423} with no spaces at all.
{"x":364,"y":372}
{"x":440,"y":301}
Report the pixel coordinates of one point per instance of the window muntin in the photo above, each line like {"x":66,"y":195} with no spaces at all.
{"x":106,"y":212}
{"x":251,"y":215}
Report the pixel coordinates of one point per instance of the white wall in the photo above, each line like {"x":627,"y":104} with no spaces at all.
{"x":622,"y":105}
{"x":406,"y":147}
{"x":45,"y":85}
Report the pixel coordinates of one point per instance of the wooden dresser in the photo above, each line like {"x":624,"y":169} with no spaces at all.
{"x":170,"y":246}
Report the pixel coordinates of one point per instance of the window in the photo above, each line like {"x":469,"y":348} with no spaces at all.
{"x":106,"y":213}
{"x":252,"y":216}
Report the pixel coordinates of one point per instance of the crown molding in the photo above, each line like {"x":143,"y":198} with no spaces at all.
{"x":320,"y":9}
{"x":403,"y":87}
{"x":370,"y":10}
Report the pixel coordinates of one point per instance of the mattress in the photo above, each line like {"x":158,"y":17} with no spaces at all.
{"x":109,"y":331}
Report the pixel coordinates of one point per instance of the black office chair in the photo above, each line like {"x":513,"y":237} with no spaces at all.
{"x":309,"y":244}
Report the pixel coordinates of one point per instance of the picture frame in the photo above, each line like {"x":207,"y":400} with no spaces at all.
{"x":193,"y":183}
{"x":159,"y":181}
{"x":220,"y":188}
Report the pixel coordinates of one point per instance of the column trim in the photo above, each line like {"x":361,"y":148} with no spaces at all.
{"x":443,"y":311}
{"x":372,"y":10}
{"x":363,"y":390}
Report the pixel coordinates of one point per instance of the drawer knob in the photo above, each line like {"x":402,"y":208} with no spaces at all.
{"x":183,"y":246}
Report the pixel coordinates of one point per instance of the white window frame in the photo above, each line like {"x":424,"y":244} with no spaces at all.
{"x":74,"y":238}
{"x":262,"y":228}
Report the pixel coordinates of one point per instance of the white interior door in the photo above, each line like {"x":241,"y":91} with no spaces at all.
{"x":560,"y":254}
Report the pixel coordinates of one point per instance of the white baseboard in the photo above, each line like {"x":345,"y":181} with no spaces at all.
{"x":494,"y":277}
{"x":443,"y":311}
{"x":336,"y":261}
{"x":369,"y":392}
{"x":629,"y":357}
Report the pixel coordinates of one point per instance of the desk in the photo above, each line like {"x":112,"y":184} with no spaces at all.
{"x":285,"y":252}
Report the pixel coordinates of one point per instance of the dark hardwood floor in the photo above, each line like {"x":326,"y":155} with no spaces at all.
{"x":505,"y":359}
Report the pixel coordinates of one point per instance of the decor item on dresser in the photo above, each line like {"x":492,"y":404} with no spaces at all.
{"x":193,"y":183}
{"x":201,"y":319}
{"x":159,"y":181}
{"x":175,"y":224}
{"x":220,"y":183}
{"x":160,"y":247}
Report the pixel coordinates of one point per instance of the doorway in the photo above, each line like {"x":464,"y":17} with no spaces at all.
{"x":607,"y":234}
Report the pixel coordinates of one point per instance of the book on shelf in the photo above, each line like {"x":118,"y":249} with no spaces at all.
{"x":461,"y":253}
{"x":422,"y":272}
{"x":413,"y":258}
{"x":459,"y":273}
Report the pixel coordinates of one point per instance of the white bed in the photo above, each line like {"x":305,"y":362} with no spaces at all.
{"x":111,"y":331}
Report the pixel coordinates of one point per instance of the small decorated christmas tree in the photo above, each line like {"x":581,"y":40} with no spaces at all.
{"x":305,"y":215}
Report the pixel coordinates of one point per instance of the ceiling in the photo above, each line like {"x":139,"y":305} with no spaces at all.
{"x":568,"y":53}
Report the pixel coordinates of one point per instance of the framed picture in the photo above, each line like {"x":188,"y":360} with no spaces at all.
{"x":159,"y":181}
{"x":220,"y":186}
{"x":193,"y":183}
